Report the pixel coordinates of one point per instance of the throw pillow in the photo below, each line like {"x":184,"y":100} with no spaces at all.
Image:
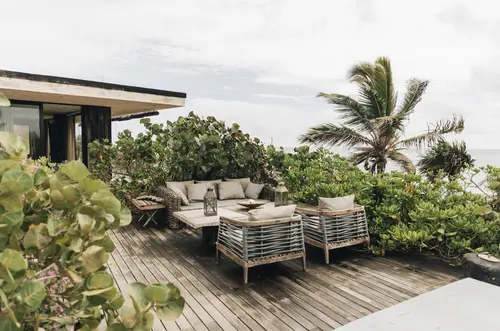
{"x":271,"y":213}
{"x":180,"y":185}
{"x":214,"y":183}
{"x":195,"y":192}
{"x":230,"y":190}
{"x":181,"y":195}
{"x":253,"y":190}
{"x":339,"y":203}
{"x":243,"y":181}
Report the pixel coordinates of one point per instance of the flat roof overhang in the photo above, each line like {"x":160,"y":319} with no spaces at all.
{"x":122,"y":99}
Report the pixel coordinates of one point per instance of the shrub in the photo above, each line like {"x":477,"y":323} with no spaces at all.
{"x":205,"y":148}
{"x":54,"y":247}
{"x":452,"y":158}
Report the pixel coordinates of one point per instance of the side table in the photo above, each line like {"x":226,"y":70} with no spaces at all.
{"x":148,"y":209}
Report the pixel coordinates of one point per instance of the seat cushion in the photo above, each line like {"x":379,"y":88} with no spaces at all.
{"x":271,"y":213}
{"x":339,"y":203}
{"x":231,"y":190}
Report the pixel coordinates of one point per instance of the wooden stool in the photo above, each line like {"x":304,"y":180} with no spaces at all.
{"x":148,"y":206}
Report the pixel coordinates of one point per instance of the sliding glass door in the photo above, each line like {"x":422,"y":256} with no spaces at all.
{"x":24,"y":120}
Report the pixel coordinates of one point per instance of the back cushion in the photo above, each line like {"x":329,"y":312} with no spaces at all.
{"x":339,"y":203}
{"x":180,"y":185}
{"x":243,"y":181}
{"x":196,"y":192}
{"x":231,"y":190}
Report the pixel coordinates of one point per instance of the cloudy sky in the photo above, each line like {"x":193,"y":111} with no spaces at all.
{"x":261,"y":62}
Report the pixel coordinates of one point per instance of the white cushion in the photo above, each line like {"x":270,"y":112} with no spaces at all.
{"x":253,"y":190}
{"x":196,"y":192}
{"x":180,"y":185}
{"x":243,"y":181}
{"x":230,"y":190}
{"x":339,"y":203}
{"x":180,"y":194}
{"x":271,"y":213}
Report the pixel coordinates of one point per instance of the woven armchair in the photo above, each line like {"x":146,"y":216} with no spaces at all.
{"x":330,"y":229}
{"x":253,"y":243}
{"x":173,"y":203}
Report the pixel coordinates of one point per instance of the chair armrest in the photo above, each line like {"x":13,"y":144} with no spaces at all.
{"x":267,"y":193}
{"x":171,"y":200}
{"x":248,"y":223}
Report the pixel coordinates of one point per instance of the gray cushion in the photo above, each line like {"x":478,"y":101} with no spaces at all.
{"x":339,"y":203}
{"x":253,"y":190}
{"x":180,"y":185}
{"x":214,"y":183}
{"x":180,"y":194}
{"x":271,"y":213}
{"x":243,"y":181}
{"x":196,"y":192}
{"x":230,"y":190}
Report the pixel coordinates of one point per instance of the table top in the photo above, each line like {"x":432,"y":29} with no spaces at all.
{"x":147,"y":204}
{"x":464,"y":305}
{"x":197,"y":219}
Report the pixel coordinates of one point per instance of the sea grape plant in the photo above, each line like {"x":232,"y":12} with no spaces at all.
{"x":54,"y":249}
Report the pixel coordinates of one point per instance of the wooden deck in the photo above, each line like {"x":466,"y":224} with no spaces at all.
{"x":278,"y":297}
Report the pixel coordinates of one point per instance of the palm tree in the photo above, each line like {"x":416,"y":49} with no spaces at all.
{"x":374,"y":125}
{"x":451,"y":158}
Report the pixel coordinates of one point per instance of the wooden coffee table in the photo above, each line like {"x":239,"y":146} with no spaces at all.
{"x":208,"y":224}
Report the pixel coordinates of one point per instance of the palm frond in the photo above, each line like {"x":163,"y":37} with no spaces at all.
{"x":331,"y":134}
{"x":415,"y":89}
{"x":383,"y":85}
{"x":402,"y":160}
{"x":351,"y":111}
{"x":363,"y":75}
{"x":435,"y":134}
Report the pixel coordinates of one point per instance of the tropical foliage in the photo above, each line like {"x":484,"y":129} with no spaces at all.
{"x":451,"y":158}
{"x":192,"y":147}
{"x":405,"y":211}
{"x":54,"y":245}
{"x":374,"y":124}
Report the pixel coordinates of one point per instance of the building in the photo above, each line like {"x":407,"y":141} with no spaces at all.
{"x":51,"y":112}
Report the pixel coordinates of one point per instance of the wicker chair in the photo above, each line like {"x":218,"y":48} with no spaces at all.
{"x":173,"y":203}
{"x":253,"y":243}
{"x":330,"y":229}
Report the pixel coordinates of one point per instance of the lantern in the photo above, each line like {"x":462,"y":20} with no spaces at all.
{"x":210,"y":202}
{"x":280,"y":195}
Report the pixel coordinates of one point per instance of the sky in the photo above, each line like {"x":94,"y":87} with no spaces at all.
{"x":261,"y":63}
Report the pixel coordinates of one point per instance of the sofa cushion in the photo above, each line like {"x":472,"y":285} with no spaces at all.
{"x":243,"y":181}
{"x":196,"y":192}
{"x":253,"y":190}
{"x":180,"y":194}
{"x":339,"y":203}
{"x":271,"y":213}
{"x":180,"y":185}
{"x":214,"y":183}
{"x":230,"y":190}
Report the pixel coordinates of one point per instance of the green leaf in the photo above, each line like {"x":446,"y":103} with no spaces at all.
{"x":11,"y":201}
{"x":7,"y":324}
{"x":106,"y":243}
{"x":76,"y":244}
{"x":40,"y":177}
{"x":86,"y":223}
{"x":171,"y":311}
{"x":13,"y":219}
{"x":117,"y":326}
{"x":6,"y":165}
{"x":441,"y":230}
{"x":4,"y":101}
{"x":99,"y":280}
{"x":65,"y":320}
{"x":73,"y":275}
{"x":94,"y":258}
{"x":18,"y":180}
{"x":75,"y":170}
{"x":55,"y":226}
{"x":70,"y":194}
{"x":107,"y":201}
{"x":15,"y":146}
{"x":13,"y":260}
{"x":98,"y":291}
{"x":116,"y":302}
{"x":483,"y":210}
{"x":156,"y":294}
{"x":91,"y":186}
{"x":32,"y":294}
{"x":6,"y":275}
{"x":125,"y":216}
{"x":38,"y":236}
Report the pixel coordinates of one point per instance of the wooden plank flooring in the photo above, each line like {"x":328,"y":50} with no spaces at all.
{"x":279,"y":297}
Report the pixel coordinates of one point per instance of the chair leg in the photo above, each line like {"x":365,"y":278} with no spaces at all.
{"x":327,"y":255}
{"x":245,"y":275}
{"x":217,"y":255}
{"x":304,"y":263}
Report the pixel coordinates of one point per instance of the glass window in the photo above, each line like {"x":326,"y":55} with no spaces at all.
{"x":23,"y":120}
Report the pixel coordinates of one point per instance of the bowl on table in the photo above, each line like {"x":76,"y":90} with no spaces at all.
{"x":252,"y":204}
